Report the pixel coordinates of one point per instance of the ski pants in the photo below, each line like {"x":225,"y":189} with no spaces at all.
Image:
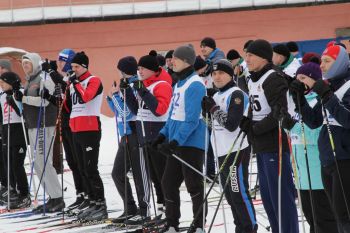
{"x":175,"y":173}
{"x":87,"y":146}
{"x":127,"y":157}
{"x":334,"y":191}
{"x":268,"y":178}
{"x":50,"y":179}
{"x":237,"y":191}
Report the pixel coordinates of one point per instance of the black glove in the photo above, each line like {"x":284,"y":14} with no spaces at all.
{"x":297,"y":88}
{"x":124,"y":84}
{"x":18,"y":95}
{"x":46,"y":67}
{"x":45,"y":94}
{"x":245,"y":124}
{"x":10,"y":101}
{"x":72,"y":77}
{"x":209,"y":105}
{"x":53,"y":65}
{"x":168,"y":148}
{"x":211,"y":92}
{"x":8,"y":92}
{"x":323,"y":90}
{"x":159,"y":140}
{"x":140,"y":88}
{"x":288,"y":122}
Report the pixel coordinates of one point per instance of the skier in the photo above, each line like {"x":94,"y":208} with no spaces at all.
{"x":128,"y":156}
{"x":151,"y":106}
{"x":268,"y":106}
{"x":85,"y":93}
{"x":183,"y":135}
{"x":11,"y":117}
{"x":33,"y":105}
{"x":227,"y":107}
{"x":332,"y":112}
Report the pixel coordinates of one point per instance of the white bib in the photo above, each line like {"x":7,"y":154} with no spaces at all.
{"x":340,"y":94}
{"x":144,"y":114}
{"x":225,"y":138}
{"x":258,"y":99}
{"x":79,"y":108}
{"x":14,"y":118}
{"x":179,"y":102}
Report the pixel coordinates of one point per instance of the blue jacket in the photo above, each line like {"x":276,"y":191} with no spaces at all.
{"x":190,"y":132}
{"x":311,"y":136}
{"x":340,"y":110}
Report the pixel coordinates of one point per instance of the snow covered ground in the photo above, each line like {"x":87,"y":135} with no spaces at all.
{"x":107,"y":153}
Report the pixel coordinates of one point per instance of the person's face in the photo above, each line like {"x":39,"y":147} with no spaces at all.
{"x":3,"y":70}
{"x":5,"y":86}
{"x":220,"y":78}
{"x":145,"y":73}
{"x":78,"y":69}
{"x":27,"y":67}
{"x":60,"y":65}
{"x":326,"y":63}
{"x":235,"y":62}
{"x":178,"y":64}
{"x":206,"y":50}
{"x":277,"y":59}
{"x":254,"y":63}
{"x":309,"y":82}
{"x":201,"y":70}
{"x":168,"y":63}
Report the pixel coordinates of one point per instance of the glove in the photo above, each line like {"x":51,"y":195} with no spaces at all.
{"x":140,"y":88}
{"x":323,"y":90}
{"x":168,"y":148}
{"x":45,"y":93}
{"x":72,"y":77}
{"x":18,"y":95}
{"x":209,"y":105}
{"x":245,"y":125}
{"x":53,"y":65}
{"x":159,"y":140}
{"x":124,"y":84}
{"x":57,"y":78}
{"x":297,"y":88}
{"x":288,"y":122}
{"x":11,"y":102}
{"x":211,"y":92}
{"x":8,"y":92}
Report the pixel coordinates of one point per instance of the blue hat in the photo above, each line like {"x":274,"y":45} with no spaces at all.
{"x":66,"y":55}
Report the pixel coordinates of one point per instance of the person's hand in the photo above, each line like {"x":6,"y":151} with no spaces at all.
{"x":309,"y":82}
{"x":45,"y":93}
{"x":169,"y":148}
{"x":72,"y":77}
{"x":245,"y":125}
{"x":208,"y":104}
{"x":18,"y":95}
{"x":114,"y":89}
{"x":46,"y":67}
{"x":323,"y":90}
{"x":159,"y":140}
{"x":211,"y":92}
{"x":124,"y":84}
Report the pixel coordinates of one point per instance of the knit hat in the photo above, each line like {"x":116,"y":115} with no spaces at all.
{"x":6,"y":64}
{"x":330,"y":43}
{"x":292,"y":46}
{"x":128,"y":65}
{"x":12,"y":79}
{"x":261,"y":48}
{"x":223,"y":65}
{"x":341,"y":64}
{"x":66,"y":55}
{"x":311,"y":57}
{"x":246,"y":44}
{"x":185,"y":53}
{"x":199,"y":63}
{"x":311,"y":70}
{"x":169,"y":54}
{"x":81,"y":59}
{"x":149,"y":62}
{"x":209,"y":42}
{"x":282,"y":50}
{"x":232,"y":55}
{"x":161,"y":60}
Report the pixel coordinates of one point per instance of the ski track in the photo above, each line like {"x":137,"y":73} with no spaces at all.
{"x":10,"y":223}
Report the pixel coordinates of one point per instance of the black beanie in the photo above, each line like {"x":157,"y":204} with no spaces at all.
{"x":232,"y":55}
{"x":282,"y":50}
{"x":149,"y":62}
{"x":261,"y":48}
{"x":209,"y":42}
{"x":12,"y":79}
{"x":161,"y":60}
{"x":128,"y":65}
{"x":223,"y":65}
{"x":169,"y":54}
{"x":292,"y":46}
{"x":247,"y":43}
{"x":81,"y":59}
{"x":199,"y":63}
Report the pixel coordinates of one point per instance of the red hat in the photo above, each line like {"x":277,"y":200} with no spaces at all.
{"x":311,"y":56}
{"x":332,"y":51}
{"x":331,"y":43}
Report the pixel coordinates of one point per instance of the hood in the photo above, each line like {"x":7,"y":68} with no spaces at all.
{"x":162,"y":76}
{"x":339,"y":67}
{"x":35,"y":59}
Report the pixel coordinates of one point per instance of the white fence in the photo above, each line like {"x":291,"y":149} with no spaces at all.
{"x":107,"y":8}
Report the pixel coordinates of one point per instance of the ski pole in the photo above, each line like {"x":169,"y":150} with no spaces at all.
{"x":279,"y":174}
{"x":8,"y":155}
{"x":205,"y":168}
